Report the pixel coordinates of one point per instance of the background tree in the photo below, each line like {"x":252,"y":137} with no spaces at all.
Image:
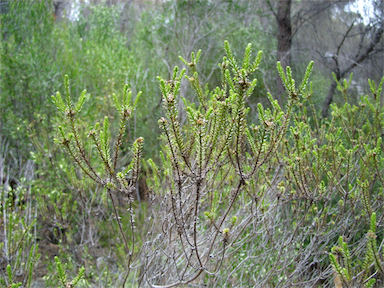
{"x":311,"y":28}
{"x":284,"y":38}
{"x":357,"y":44}
{"x":289,"y":20}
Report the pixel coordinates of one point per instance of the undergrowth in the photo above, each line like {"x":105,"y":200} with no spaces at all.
{"x":277,"y":199}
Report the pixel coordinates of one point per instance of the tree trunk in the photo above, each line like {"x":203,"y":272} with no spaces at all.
{"x":284,"y":40}
{"x":328,"y":99}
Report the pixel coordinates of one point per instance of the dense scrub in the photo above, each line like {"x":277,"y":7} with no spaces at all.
{"x":238,"y":191}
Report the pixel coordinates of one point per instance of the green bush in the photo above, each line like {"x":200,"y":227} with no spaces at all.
{"x":242,"y":192}
{"x":242,"y":204}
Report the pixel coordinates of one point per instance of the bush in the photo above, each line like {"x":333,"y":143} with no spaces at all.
{"x":238,"y":204}
{"x":243,"y":192}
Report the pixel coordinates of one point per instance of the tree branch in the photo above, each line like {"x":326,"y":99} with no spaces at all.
{"x":341,"y":73}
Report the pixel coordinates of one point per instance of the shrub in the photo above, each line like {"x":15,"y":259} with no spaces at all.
{"x":239,"y":204}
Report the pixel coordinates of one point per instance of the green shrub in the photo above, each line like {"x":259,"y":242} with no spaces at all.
{"x":242,"y":204}
{"x":243,"y":193}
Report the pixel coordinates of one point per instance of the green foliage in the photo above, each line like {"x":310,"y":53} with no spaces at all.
{"x":363,"y":274}
{"x":123,"y":182}
{"x":280,"y":164}
{"x":3,"y":282}
{"x":289,"y":82}
{"x":343,"y":88}
{"x":27,"y":70}
{"x":243,"y":192}
{"x":63,"y":275}
{"x":18,"y":248}
{"x":215,"y":147}
{"x":37,"y":52}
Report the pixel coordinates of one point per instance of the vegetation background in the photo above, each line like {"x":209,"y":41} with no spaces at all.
{"x":322,"y":177}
